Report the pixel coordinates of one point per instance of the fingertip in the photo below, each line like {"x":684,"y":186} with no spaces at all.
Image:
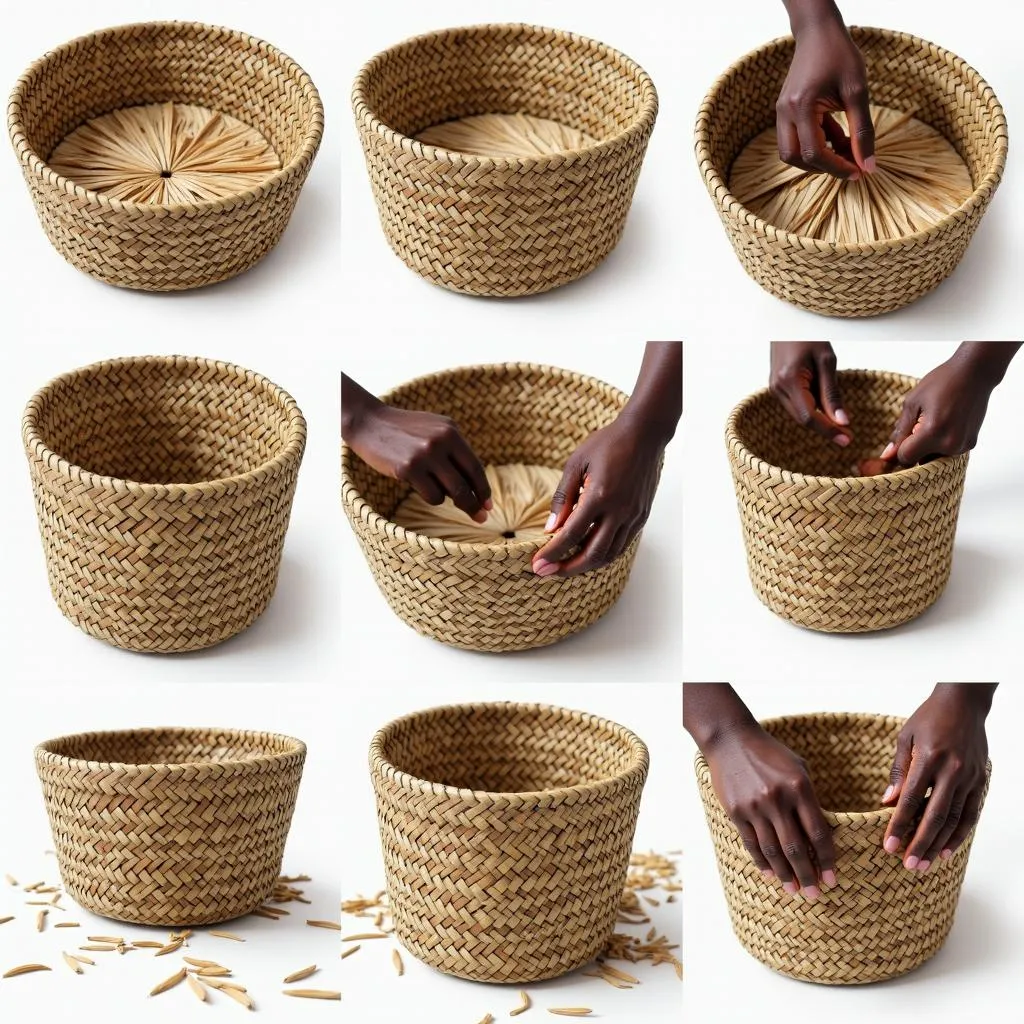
{"x":946,"y":853}
{"x":888,"y":452}
{"x":550,"y":524}
{"x":888,"y":794}
{"x":479,"y":517}
{"x":489,"y":504}
{"x":911,"y":862}
{"x":841,"y":418}
{"x":791,"y":887}
{"x":842,"y":440}
{"x":870,"y":164}
{"x":542,"y":568}
{"x":891,"y":845}
{"x":828,"y":876}
{"x":811,"y":893}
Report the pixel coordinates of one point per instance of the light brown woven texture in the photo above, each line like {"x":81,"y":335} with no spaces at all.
{"x":879,"y":921}
{"x":828,"y":550}
{"x":485,"y":597}
{"x":503,"y":226}
{"x":170,"y":826}
{"x":904,"y":73}
{"x":164,"y":248}
{"x":163,"y":486}
{"x":506,"y":831}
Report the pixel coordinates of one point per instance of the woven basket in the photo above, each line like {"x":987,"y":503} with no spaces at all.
{"x":904,"y":73}
{"x":506,"y":831}
{"x":163,"y":487}
{"x":489,"y":226}
{"x":835,"y":552}
{"x":880,"y":920}
{"x":486,"y":597}
{"x":164,"y":248}
{"x":175,"y":827}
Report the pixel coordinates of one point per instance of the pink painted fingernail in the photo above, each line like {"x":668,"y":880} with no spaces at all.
{"x":889,"y":451}
{"x":887,"y":795}
{"x":811,"y":893}
{"x":842,"y":418}
{"x":842,"y":440}
{"x":489,"y":504}
{"x":550,"y":524}
{"x":924,"y":866}
{"x":767,"y":873}
{"x":911,"y":862}
{"x":891,"y":845}
{"x":828,"y":877}
{"x":946,"y":854}
{"x":479,"y":517}
{"x":791,"y":887}
{"x":855,"y":176}
{"x":542,"y":568}
{"x":870,"y":164}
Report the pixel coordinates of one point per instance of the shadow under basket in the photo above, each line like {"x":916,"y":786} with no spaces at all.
{"x":849,"y":280}
{"x":170,"y":827}
{"x":832,"y":551}
{"x":486,"y":597}
{"x":503,"y":226}
{"x":880,"y":920}
{"x":163,"y":487}
{"x":507,"y":831}
{"x":165,"y":247}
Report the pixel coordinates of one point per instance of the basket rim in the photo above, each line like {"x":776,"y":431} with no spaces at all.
{"x":900,"y":479}
{"x":643,"y":123}
{"x":298,"y":166}
{"x":45,"y":754}
{"x":382,"y":768}
{"x":360,"y":509}
{"x":729,"y":205}
{"x":290,"y":455}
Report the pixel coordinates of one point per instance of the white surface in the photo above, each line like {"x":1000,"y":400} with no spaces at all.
{"x":973,"y":977}
{"x":962,"y":636}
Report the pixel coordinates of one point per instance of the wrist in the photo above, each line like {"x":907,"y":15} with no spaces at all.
{"x":987,"y":361}
{"x":972,"y":698}
{"x":357,"y":405}
{"x":811,"y":14}
{"x":650,"y":430}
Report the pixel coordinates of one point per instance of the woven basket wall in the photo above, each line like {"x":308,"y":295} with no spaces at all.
{"x":880,"y":920}
{"x":163,"y":487}
{"x":490,"y":226}
{"x":828,"y":550}
{"x":485,"y":597}
{"x":164,"y":248}
{"x":506,"y":831}
{"x":173,"y":827}
{"x":904,"y":73}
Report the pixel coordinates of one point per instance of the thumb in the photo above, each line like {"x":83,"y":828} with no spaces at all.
{"x":900,"y":768}
{"x":904,"y":427}
{"x":828,"y":389}
{"x":566,"y":495}
{"x":862,"y":131}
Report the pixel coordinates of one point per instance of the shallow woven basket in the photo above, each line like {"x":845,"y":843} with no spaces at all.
{"x":506,"y":831}
{"x":163,"y":487}
{"x":164,"y":248}
{"x":904,"y":73}
{"x":175,"y":827}
{"x":828,"y":550}
{"x":880,"y":920}
{"x":485,"y":597}
{"x":490,"y":226}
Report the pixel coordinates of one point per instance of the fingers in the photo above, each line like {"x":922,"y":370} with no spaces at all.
{"x":837,"y":138}
{"x":771,"y":848}
{"x":566,"y":494}
{"x":472,"y":469}
{"x":968,"y":819}
{"x":908,"y":806}
{"x":941,"y":840}
{"x":900,"y":766}
{"x":820,"y":836}
{"x":804,"y":409}
{"x":937,"y":811}
{"x":789,"y":142}
{"x":862,"y":130}
{"x":460,"y":490}
{"x":796,"y":850}
{"x":814,"y":151}
{"x":571,"y":535}
{"x":828,"y":387}
{"x":753,"y":847}
{"x":601,"y":547}
{"x":426,"y":486}
{"x":921,"y":443}
{"x":908,"y":418}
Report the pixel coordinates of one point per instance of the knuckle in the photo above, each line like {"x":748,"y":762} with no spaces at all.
{"x":855,"y":92}
{"x":789,"y":155}
{"x":820,"y":833}
{"x":808,"y":155}
{"x":794,"y":851}
{"x":770,"y":850}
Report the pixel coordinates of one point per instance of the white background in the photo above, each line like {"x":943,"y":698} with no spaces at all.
{"x":973,"y":977}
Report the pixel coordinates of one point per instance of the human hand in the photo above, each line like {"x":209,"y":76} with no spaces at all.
{"x":804,"y":379}
{"x":942,"y":747}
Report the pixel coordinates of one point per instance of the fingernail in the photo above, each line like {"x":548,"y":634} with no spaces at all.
{"x":946,"y":854}
{"x":842,"y":440}
{"x":855,"y":176}
{"x":542,"y":568}
{"x":828,"y":877}
{"x":811,"y":893}
{"x":924,"y":866}
{"x":550,"y":524}
{"x":889,"y":451}
{"x":870,"y":164}
{"x":842,"y":418}
{"x":767,"y":873}
{"x":791,"y":887}
{"x":489,"y":504}
{"x":891,"y":845}
{"x":911,"y":862}
{"x":887,"y":796}
{"x":479,"y":517}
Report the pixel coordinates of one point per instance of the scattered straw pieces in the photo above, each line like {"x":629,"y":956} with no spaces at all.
{"x":227,"y":935}
{"x":83,"y":960}
{"x":396,"y":959}
{"x":73,"y":963}
{"x":334,"y":926}
{"x":350,"y":951}
{"x":312,"y":993}
{"x":41,"y":920}
{"x":171,"y":947}
{"x":486,"y":1019}
{"x":4,"y":920}
{"x":524,"y":1005}
{"x":15,"y":972}
{"x":361,"y":936}
{"x":197,"y":988}
{"x":240,"y":996}
{"x":10,"y":880}
{"x":302,"y":975}
{"x":571,"y":1011}
{"x":67,"y":924}
{"x":168,"y":983}
{"x":147,"y":944}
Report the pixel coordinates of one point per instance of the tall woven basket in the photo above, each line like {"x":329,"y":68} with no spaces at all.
{"x":489,"y":226}
{"x":839,"y":279}
{"x":163,"y":487}
{"x":506,"y":831}
{"x":164,"y":247}
{"x":880,"y":920}
{"x":831,"y":551}
{"x":174,"y":827}
{"x":485,"y":597}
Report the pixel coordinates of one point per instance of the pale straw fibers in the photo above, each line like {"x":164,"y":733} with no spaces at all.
{"x":506,"y":135}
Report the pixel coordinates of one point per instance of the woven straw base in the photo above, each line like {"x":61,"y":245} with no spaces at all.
{"x":506,"y":135}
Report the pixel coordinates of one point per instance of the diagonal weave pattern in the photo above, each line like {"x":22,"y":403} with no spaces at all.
{"x":163,"y":487}
{"x":506,"y":831}
{"x":879,"y":921}
{"x":904,"y":73}
{"x":485,"y":597}
{"x":173,"y":827}
{"x":137,"y":245}
{"x":831,"y":551}
{"x":503,"y":226}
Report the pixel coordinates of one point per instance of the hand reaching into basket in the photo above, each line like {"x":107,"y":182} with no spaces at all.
{"x":804,"y":379}
{"x":421,"y":448}
{"x":942,"y":748}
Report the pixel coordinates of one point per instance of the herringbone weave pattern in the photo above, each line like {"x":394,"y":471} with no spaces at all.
{"x":503,"y":226}
{"x":831,"y":551}
{"x":506,"y":831}
{"x":164,"y":248}
{"x":174,"y":827}
{"x":879,"y":921}
{"x":163,"y":487}
{"x":485,"y":597}
{"x":904,"y":73}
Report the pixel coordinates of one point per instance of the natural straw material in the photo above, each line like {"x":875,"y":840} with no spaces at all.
{"x":485,"y":596}
{"x":181,"y":244}
{"x":828,"y":550}
{"x":855,"y":279}
{"x":163,"y":487}
{"x":880,"y":920}
{"x":172,"y":827}
{"x":506,"y":135}
{"x":507,"y":831}
{"x":503,"y":225}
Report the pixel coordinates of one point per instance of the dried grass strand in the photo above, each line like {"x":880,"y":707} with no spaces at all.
{"x":506,"y":136}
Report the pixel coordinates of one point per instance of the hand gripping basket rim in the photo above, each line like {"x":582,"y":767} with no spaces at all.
{"x":731,"y":206}
{"x":641,"y":125}
{"x":382,"y":768}
{"x":291,"y":453}
{"x":296,"y":167}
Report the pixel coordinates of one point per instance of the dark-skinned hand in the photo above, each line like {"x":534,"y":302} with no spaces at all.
{"x":804,"y":379}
